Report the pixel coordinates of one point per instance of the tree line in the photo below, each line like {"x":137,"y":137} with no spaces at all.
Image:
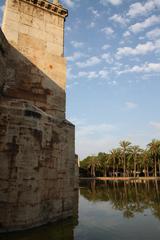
{"x":126,"y":160}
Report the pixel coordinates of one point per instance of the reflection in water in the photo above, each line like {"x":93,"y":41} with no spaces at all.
{"x":107,"y":210}
{"x":63,"y":230}
{"x":59,"y":231}
{"x":130,"y":197}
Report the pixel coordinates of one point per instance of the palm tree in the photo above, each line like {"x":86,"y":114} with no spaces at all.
{"x":154,"y":149}
{"x":92,"y":164}
{"x":115,"y":158}
{"x":158,"y":142}
{"x":104,"y":162}
{"x":135,"y":152}
{"x":124,"y":149}
{"x":145,"y":158}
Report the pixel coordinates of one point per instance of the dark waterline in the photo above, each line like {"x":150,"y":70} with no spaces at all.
{"x":107,"y":210}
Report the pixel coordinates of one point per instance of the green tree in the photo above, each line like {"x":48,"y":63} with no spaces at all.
{"x":145,"y":159}
{"x":124,"y":146}
{"x":113,"y":161}
{"x":135,"y":153}
{"x":115,"y":157}
{"x":154,"y":150}
{"x":104,"y":162}
{"x":92,"y":164}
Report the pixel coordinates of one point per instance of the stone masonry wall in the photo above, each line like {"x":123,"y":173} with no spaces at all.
{"x":38,"y":35}
{"x":37,"y":153}
{"x":36,"y":165}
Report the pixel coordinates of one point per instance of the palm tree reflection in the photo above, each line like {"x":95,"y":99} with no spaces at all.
{"x":130,"y":197}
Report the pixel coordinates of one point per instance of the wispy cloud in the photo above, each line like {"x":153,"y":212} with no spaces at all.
{"x":69,"y":3}
{"x":75,"y":56}
{"x":77,"y":44}
{"x":68,"y":29}
{"x":89,"y":62}
{"x":131,"y":105}
{"x":106,"y":46}
{"x":154,"y":34}
{"x":102,"y":74}
{"x":107,"y":57}
{"x":155,"y":125}
{"x":145,"y":68}
{"x":126,"y":34}
{"x":118,"y":19}
{"x":92,"y":25}
{"x":140,"y":26}
{"x":139,"y":9}
{"x":95,"y":12}
{"x":113,"y":2}
{"x":88,"y":74}
{"x":108,"y":31}
{"x":140,"y":49}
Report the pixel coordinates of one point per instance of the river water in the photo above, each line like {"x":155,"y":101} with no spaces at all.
{"x":107,"y":211}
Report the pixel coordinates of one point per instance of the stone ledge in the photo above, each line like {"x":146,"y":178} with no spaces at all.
{"x":51,"y":7}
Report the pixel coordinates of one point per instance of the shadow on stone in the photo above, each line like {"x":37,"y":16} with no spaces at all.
{"x":37,"y":154}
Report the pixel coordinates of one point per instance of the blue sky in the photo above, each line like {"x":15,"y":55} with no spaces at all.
{"x":113,"y":81}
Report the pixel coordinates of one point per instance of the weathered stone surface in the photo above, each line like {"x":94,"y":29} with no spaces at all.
{"x":38,"y":34}
{"x":37,"y":153}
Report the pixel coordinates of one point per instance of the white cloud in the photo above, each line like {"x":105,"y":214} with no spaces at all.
{"x":76,"y":56}
{"x":89,"y":62}
{"x":138,"y":9}
{"x":155,"y":33}
{"x":77,"y":44}
{"x":108,"y":31}
{"x":91,"y":25}
{"x":113,"y":2}
{"x":92,"y":75}
{"x":126,"y":34}
{"x":113,"y":82}
{"x":107,"y":57}
{"x":68,"y":29}
{"x":89,"y":74}
{"x":145,"y":68}
{"x":131,"y":105}
{"x":155,"y":125}
{"x":140,"y":26}
{"x":82,"y":74}
{"x":95,"y":12}
{"x":106,"y":46}
{"x":140,"y":49}
{"x":103,"y":74}
{"x":68,"y":3}
{"x":118,"y":19}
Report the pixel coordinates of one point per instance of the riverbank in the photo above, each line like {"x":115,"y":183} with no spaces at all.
{"x":120,"y":178}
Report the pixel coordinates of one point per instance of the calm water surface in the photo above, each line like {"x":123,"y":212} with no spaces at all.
{"x":107,"y":211}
